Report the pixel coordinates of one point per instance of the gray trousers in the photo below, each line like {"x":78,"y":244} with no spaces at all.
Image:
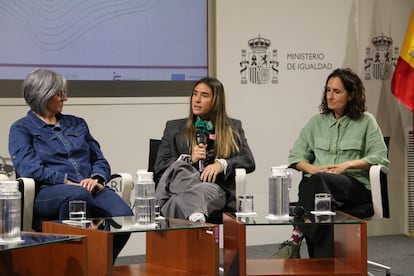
{"x":181,"y":192}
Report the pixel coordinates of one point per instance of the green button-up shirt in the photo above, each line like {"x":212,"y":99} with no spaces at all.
{"x":325,"y":141}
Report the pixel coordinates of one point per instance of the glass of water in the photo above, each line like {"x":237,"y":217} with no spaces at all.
{"x":322,"y":207}
{"x":322,"y":202}
{"x":77,"y":210}
{"x":157,"y":208}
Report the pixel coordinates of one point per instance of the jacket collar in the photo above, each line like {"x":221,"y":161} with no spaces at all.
{"x":41,"y":124}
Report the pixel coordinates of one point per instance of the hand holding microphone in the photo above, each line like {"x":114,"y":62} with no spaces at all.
{"x":200,"y":139}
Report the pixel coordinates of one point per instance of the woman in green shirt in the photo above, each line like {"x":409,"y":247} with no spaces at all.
{"x":334,"y":151}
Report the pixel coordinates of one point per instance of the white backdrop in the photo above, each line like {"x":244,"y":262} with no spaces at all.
{"x":338,"y":33}
{"x":272,"y":114}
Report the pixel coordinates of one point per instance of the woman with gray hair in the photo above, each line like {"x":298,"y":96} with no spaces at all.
{"x":60,"y":154}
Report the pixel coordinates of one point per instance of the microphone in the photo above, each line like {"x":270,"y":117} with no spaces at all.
{"x":200,"y":138}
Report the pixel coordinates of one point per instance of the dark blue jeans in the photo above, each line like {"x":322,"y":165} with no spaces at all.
{"x":52,"y":202}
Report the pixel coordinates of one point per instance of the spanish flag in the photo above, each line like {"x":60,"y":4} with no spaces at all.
{"x":402,"y":84}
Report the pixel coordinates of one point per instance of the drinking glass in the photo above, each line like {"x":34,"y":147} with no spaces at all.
{"x":322,"y":202}
{"x":77,"y":210}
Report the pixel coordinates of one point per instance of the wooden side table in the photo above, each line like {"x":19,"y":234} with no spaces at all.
{"x":178,"y":247}
{"x":62,"y":255}
{"x":350,"y":246}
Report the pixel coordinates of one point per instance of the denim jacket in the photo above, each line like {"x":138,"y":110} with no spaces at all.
{"x":52,"y":154}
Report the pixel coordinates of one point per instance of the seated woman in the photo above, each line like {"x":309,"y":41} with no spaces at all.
{"x":335,"y":150}
{"x":60,"y":154}
{"x":198,"y":156}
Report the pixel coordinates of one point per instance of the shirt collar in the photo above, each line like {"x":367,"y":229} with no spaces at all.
{"x":343,"y":121}
{"x":40,"y":123}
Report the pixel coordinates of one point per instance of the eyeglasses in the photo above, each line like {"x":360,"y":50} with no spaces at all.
{"x":61,"y":94}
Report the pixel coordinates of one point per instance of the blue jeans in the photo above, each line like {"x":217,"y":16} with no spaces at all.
{"x":53,"y":202}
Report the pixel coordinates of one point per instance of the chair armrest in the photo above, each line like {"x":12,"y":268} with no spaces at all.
{"x":379,"y":191}
{"x":123,"y":184}
{"x":27,"y":188}
{"x":240,"y":182}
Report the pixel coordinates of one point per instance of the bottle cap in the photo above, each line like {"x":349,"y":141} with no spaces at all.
{"x":144,"y":175}
{"x":280,"y":171}
{"x":9,"y":185}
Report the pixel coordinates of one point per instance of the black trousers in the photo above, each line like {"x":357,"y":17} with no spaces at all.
{"x":119,"y":241}
{"x":346,"y":192}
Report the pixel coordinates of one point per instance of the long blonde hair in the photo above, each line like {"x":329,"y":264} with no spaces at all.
{"x":226,"y":143}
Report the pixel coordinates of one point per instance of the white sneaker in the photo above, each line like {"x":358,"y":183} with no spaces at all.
{"x":197,"y":217}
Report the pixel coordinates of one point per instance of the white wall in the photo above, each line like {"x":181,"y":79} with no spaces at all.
{"x":272,"y":114}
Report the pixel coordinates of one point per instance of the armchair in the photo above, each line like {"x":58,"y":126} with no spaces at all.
{"x":380,"y":201}
{"x":379,"y":190}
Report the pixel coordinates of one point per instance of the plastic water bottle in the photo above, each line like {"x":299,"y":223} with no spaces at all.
{"x":279,"y":185}
{"x":145,"y":199}
{"x":10,"y":211}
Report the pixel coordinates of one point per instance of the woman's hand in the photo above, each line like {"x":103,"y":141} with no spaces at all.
{"x":353,"y":164}
{"x":336,"y":168}
{"x":199,"y":152}
{"x":91,"y":185}
{"x":312,"y":169}
{"x":210,"y":172}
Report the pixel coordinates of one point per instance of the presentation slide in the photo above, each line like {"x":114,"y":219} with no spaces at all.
{"x":105,"y":39}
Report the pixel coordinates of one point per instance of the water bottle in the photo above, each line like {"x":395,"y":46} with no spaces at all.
{"x":10,"y":205}
{"x":145,"y":198}
{"x":279,"y":185}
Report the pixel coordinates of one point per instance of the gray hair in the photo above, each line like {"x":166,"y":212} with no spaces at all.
{"x":39,"y":86}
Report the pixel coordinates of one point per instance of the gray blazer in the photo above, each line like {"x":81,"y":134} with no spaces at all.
{"x":174,"y":144}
